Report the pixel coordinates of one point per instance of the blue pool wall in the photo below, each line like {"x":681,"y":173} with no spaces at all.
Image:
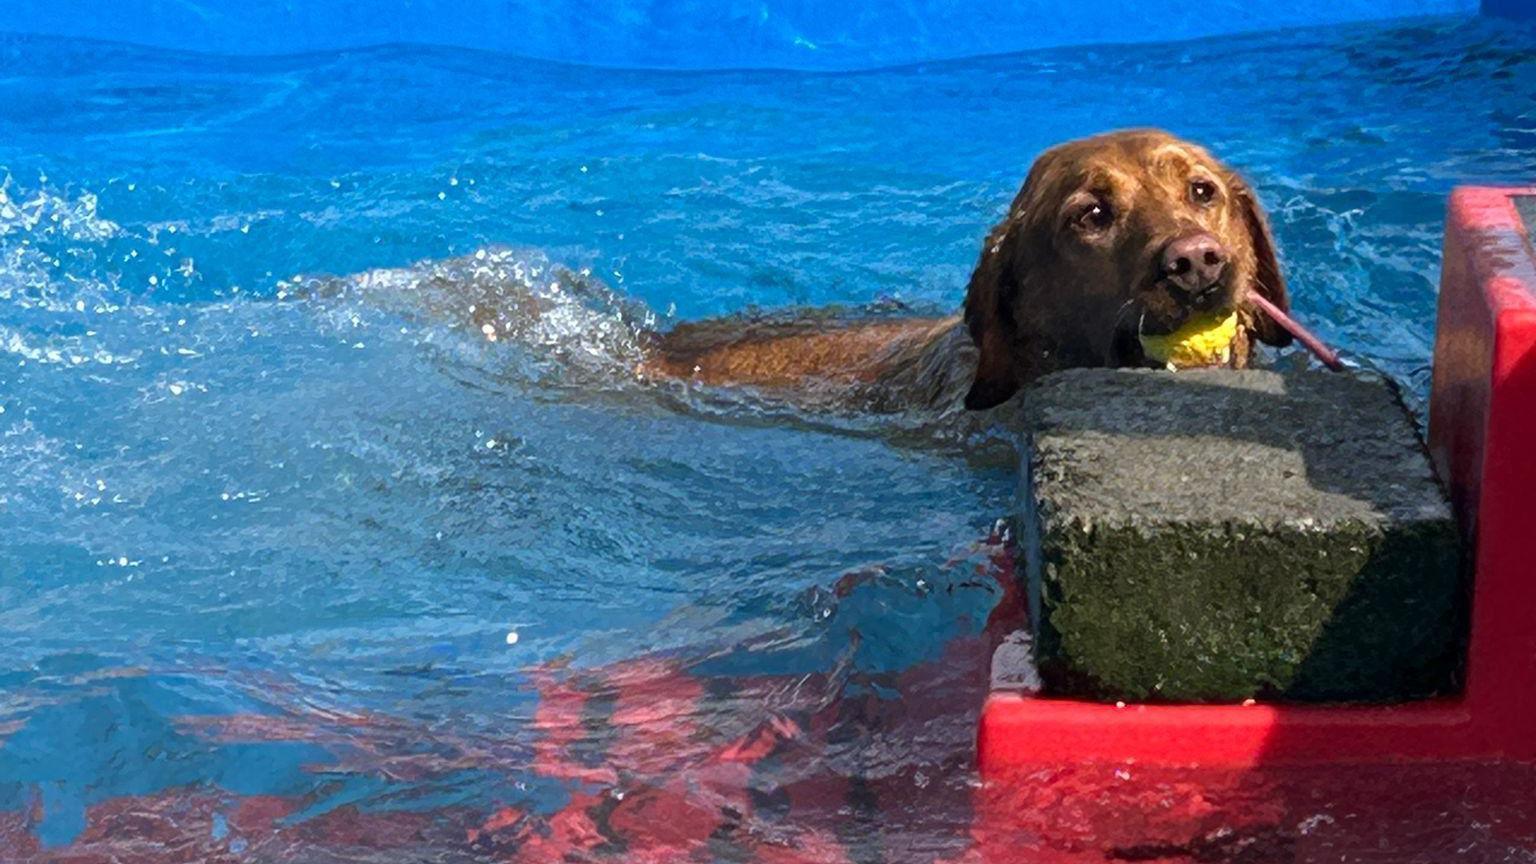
{"x":1521,"y":9}
{"x":803,"y":34}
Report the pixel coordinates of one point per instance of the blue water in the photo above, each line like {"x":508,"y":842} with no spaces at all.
{"x":315,"y":508}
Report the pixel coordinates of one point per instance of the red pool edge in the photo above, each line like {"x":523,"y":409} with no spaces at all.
{"x":1482,"y":440}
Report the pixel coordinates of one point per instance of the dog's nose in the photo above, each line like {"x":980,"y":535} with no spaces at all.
{"x":1194,"y":262}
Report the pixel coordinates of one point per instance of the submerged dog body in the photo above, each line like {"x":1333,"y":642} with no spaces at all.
{"x":875,"y":365}
{"x":1110,"y":237}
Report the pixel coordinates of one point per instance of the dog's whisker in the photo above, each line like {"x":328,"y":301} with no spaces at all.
{"x":1124,"y":307}
{"x":1130,"y":307}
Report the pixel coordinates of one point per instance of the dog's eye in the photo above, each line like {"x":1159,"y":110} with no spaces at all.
{"x":1202,"y":191}
{"x":1095,"y":216}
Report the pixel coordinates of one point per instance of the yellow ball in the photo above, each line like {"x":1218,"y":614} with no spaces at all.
{"x":1200,"y":342}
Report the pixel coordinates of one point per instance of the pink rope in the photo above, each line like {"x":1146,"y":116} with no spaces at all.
{"x":1302,"y":334}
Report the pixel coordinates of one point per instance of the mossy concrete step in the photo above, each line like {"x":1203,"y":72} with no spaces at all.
{"x":1215,"y":535}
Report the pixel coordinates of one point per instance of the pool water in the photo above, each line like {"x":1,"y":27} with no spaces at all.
{"x":309,"y":575}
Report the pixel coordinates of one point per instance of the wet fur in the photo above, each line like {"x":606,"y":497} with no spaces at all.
{"x":1040,"y":298}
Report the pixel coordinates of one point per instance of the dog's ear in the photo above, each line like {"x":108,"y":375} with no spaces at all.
{"x":1267,"y":279}
{"x":989,"y":317}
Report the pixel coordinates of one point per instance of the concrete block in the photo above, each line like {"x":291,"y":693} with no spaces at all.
{"x":1214,"y":535}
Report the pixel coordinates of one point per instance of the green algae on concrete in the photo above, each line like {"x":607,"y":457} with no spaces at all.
{"x":1214,"y":535}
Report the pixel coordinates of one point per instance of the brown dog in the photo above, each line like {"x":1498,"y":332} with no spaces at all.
{"x":1110,"y":237}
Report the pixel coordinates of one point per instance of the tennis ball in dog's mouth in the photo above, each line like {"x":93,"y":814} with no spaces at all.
{"x":1204,"y":341}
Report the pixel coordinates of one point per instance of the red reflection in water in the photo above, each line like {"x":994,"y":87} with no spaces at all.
{"x":1360,"y":813}
{"x":664,"y":766}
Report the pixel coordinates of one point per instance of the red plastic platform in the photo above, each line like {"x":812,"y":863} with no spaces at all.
{"x":1482,"y":434}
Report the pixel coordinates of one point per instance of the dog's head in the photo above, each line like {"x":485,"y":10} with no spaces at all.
{"x":1110,"y":237}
